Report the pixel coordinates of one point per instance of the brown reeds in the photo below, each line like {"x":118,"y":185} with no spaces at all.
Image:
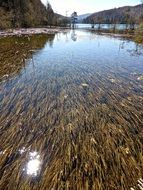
{"x":85,"y":125}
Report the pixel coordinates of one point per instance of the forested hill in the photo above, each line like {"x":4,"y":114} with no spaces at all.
{"x":24,"y":13}
{"x":118,"y":15}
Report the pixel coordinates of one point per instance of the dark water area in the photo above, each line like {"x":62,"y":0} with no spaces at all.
{"x":71,"y":112}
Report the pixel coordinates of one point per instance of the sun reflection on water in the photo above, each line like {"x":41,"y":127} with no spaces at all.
{"x":33,"y":165}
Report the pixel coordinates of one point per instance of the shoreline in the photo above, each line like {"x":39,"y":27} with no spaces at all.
{"x":53,"y":30}
{"x":30,"y":31}
{"x":115,"y":34}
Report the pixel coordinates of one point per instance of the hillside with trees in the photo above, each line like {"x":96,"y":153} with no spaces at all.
{"x":24,"y":13}
{"x":122,"y":15}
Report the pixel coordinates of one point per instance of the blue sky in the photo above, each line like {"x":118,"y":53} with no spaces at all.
{"x":87,"y":6}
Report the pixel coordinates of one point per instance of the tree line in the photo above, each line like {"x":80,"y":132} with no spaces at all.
{"x":124,"y":15}
{"x":27,"y":13}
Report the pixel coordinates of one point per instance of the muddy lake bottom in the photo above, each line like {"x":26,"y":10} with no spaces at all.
{"x":71,"y":112}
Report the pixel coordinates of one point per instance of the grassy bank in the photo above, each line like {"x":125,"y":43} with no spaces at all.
{"x":136,"y":34}
{"x":139,"y":34}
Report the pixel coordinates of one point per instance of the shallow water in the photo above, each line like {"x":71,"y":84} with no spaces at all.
{"x":71,"y":112}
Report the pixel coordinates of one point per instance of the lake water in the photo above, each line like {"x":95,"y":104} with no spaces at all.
{"x":103,"y":26}
{"x":71,"y":112}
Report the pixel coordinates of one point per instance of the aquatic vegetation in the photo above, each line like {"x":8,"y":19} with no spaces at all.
{"x":14,"y":51}
{"x":73,"y":117}
{"x":139,"y":34}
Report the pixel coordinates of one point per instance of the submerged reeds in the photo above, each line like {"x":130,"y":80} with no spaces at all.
{"x":82,"y":127}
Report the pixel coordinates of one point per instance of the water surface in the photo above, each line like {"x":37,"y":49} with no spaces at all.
{"x":104,"y":26}
{"x":71,"y":112}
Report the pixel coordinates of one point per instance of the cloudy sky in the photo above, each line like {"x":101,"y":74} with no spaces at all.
{"x":87,"y":6}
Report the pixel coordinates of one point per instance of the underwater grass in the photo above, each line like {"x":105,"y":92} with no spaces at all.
{"x":86,"y":128}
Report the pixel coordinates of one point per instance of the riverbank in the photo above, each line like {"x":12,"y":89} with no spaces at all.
{"x":135,"y":35}
{"x":30,"y":31}
{"x":52,"y":30}
{"x":130,"y":34}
